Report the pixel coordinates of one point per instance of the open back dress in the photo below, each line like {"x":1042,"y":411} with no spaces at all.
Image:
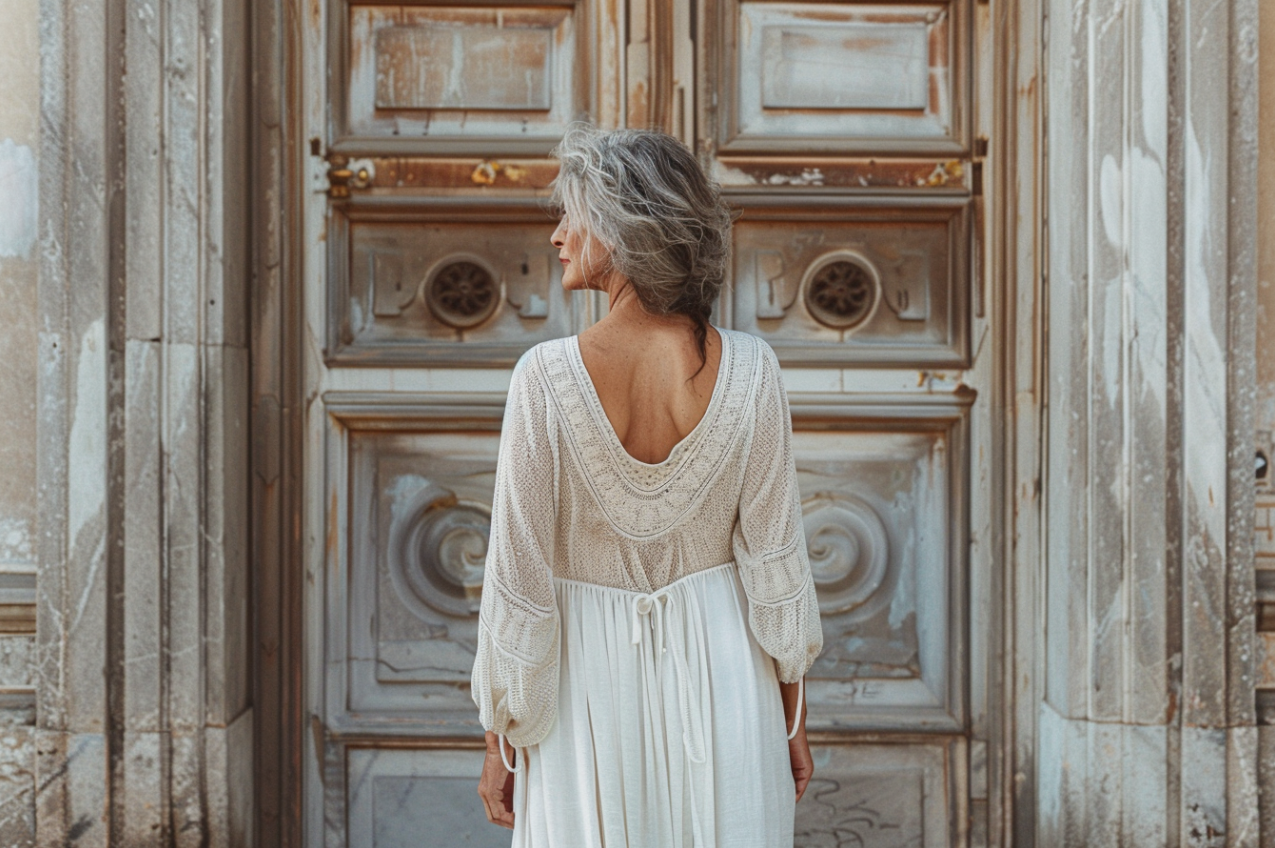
{"x":636,"y":617}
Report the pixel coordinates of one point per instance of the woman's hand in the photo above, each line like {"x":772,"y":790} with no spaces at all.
{"x":496,"y":785}
{"x":803,"y":765}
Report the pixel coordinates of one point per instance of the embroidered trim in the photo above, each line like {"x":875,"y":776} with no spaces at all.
{"x":664,"y":494}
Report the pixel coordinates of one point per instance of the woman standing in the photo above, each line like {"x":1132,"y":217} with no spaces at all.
{"x":648,"y":612}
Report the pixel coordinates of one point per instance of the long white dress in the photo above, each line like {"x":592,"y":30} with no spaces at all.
{"x":635,"y":618}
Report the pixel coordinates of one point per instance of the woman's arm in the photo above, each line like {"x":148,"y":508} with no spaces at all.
{"x":789,"y":693}
{"x":803,"y":765}
{"x":514,"y":681}
{"x":769,"y":538}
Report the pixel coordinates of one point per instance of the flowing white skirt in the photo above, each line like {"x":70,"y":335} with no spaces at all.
{"x":670,"y":728}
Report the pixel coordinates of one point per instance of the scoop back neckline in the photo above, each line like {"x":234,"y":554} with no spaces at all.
{"x":613,"y":439}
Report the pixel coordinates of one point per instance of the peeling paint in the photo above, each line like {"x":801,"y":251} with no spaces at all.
{"x":87,"y":444}
{"x":485,"y":173}
{"x":408,"y":172}
{"x":944,"y":173}
{"x":15,"y":541}
{"x":841,"y":173}
{"x":807,"y":177}
{"x":19,"y":186}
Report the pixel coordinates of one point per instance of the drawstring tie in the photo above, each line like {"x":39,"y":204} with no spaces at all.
{"x":651,"y":604}
{"x":517,"y":767}
{"x":801,"y":694}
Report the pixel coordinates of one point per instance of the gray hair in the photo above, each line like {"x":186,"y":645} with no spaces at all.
{"x":645,"y":198}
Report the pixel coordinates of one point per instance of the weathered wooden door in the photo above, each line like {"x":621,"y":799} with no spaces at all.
{"x":844,"y":133}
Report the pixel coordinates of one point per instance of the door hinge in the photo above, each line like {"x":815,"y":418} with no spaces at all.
{"x":976,"y":166}
{"x":978,"y":269}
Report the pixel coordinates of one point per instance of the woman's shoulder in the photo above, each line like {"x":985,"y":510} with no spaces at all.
{"x":749,"y":354}
{"x":742,"y":339}
{"x":537,"y":353}
{"x":543,"y":364}
{"x":540,"y":353}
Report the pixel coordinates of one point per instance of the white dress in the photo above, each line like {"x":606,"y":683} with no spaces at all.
{"x":635,"y":618}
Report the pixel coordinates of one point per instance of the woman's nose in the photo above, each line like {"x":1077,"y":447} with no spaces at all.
{"x":559,"y":237}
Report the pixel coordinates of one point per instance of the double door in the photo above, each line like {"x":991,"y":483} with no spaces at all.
{"x":844,"y":133}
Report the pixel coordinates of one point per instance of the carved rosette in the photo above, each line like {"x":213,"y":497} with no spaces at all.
{"x":461,"y":292}
{"x":849,"y":551}
{"x":437,"y":553}
{"x":841,"y":290}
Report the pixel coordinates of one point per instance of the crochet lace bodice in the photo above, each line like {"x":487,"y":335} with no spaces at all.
{"x":570,"y":502}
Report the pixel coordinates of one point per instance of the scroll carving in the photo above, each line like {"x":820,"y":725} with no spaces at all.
{"x":849,"y":552}
{"x":438,"y":547}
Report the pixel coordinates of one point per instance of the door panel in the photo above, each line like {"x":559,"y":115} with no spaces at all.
{"x":421,"y":77}
{"x":417,"y":798}
{"x":880,"y":496}
{"x":425,"y":501}
{"x":865,"y":284}
{"x":882,"y":490}
{"x":886,"y":795}
{"x":444,"y":284}
{"x":841,"y":134}
{"x":415,"y":498}
{"x":842,"y":77}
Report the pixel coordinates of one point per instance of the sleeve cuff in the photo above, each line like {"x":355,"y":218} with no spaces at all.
{"x":789,"y":630}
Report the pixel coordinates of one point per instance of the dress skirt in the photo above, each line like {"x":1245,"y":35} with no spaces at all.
{"x":670,"y":729}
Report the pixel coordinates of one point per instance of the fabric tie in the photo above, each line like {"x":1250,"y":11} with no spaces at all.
{"x":514,"y":769}
{"x":652,"y":604}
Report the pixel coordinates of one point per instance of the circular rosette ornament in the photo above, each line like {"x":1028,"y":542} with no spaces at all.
{"x":461,"y":292}
{"x":841,"y":290}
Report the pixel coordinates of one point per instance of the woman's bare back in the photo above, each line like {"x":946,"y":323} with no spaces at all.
{"x":644,"y":372}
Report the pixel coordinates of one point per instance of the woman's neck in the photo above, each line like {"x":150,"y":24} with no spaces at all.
{"x":624,"y":307}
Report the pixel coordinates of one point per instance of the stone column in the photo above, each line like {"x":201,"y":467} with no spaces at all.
{"x":19,"y":273}
{"x":144,"y":720}
{"x":1264,"y":529}
{"x":1147,"y":730}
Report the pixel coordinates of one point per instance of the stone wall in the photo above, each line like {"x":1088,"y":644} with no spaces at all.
{"x":1265,"y":502}
{"x":1266,"y":223}
{"x":19,"y":269}
{"x":144,"y":722}
{"x":1147,"y":729}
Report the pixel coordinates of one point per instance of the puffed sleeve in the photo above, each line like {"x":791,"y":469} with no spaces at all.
{"x":515,"y":675}
{"x":769,"y":539}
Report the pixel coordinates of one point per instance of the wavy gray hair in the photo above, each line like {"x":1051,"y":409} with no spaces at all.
{"x":662,"y":221}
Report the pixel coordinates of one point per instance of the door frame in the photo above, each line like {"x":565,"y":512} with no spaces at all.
{"x":276,"y":322}
{"x":1009,"y":68}
{"x":1017,"y":276}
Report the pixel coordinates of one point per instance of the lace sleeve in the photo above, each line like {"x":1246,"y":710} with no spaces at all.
{"x":515,"y":675}
{"x":769,"y":539}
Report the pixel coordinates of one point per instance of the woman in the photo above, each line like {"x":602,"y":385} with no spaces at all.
{"x":648,"y":612}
